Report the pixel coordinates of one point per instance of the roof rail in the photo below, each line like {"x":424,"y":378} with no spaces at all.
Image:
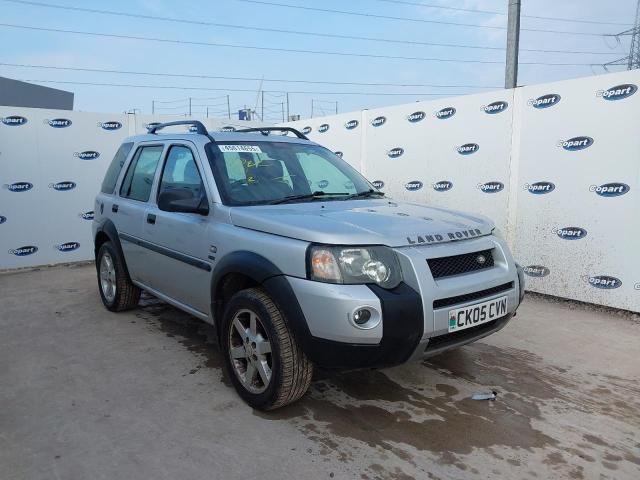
{"x":199,"y":127}
{"x":265,"y":131}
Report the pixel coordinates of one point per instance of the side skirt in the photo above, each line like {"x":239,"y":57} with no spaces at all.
{"x":185,"y":308}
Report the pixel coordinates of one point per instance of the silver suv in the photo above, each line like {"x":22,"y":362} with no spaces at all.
{"x":293,"y":256}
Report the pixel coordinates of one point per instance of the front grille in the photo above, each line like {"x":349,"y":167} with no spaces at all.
{"x":447,"y":339}
{"x":467,"y":297}
{"x":456,"y":264}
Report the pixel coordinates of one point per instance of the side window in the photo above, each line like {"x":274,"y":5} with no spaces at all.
{"x":113,"y":172}
{"x":181,"y":173}
{"x":138,"y":181}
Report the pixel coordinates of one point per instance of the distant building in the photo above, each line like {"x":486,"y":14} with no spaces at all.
{"x":14,"y":93}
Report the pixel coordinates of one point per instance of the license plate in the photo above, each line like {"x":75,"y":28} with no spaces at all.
{"x":473,"y":315}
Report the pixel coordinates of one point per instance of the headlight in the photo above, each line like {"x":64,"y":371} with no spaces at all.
{"x":354,"y":265}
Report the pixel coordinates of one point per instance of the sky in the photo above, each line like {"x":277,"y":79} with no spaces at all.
{"x":429,"y":79}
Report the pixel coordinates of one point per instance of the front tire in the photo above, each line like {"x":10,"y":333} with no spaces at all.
{"x":116,"y":290}
{"x":265,"y":363}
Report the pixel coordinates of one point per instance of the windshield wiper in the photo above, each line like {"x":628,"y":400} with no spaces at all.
{"x":308,"y":196}
{"x":365,"y":194}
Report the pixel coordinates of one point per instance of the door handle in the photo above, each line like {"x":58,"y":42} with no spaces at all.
{"x":114,"y":208}
{"x":151,"y":218}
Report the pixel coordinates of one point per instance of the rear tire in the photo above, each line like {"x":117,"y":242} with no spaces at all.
{"x":265,"y":363}
{"x":116,"y":290}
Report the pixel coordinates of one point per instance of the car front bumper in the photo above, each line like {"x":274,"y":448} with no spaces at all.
{"x":414,"y":315}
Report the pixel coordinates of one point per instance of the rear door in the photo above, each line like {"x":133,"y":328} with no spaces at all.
{"x":181,"y":268}
{"x":129,"y":208}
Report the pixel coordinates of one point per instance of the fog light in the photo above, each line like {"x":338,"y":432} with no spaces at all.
{"x":361,"y":316}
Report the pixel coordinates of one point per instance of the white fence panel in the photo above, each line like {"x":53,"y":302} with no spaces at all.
{"x":52,"y":163}
{"x":577,"y":212}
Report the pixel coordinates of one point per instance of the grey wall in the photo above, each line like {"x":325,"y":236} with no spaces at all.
{"x":14,"y":93}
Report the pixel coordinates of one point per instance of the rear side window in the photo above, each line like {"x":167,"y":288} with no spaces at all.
{"x":138,"y":181}
{"x":113,"y":172}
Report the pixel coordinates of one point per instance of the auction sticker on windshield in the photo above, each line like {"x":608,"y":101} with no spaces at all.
{"x":240,"y":148}
{"x":477,"y":314}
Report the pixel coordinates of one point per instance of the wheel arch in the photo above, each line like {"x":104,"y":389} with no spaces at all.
{"x":107,"y":233}
{"x":237,"y":271}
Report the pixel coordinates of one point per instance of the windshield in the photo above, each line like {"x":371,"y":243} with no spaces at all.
{"x":250,"y":173}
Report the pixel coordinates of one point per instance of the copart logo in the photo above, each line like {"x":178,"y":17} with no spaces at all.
{"x":63,"y":186}
{"x":3,"y":219}
{"x":536,"y":271}
{"x":570,"y":233}
{"x":545,"y":101}
{"x":14,"y":120}
{"x":445,"y":113}
{"x":413,"y":186}
{"x":610,"y":189}
{"x":323,"y":183}
{"x":576,"y":143}
{"x":495,"y":107}
{"x":228,"y":128}
{"x":87,"y":155}
{"x":442,"y":186}
{"x":338,"y":154}
{"x":307,"y":130}
{"x":19,"y":186}
{"x":539,"y":188}
{"x":87,"y":215}
{"x":491,"y":187}
{"x":23,"y":251}
{"x":618,"y":92}
{"x":415,"y":117}
{"x":351,"y":124}
{"x":468,"y":148}
{"x":379,"y":184}
{"x":68,"y":247}
{"x":605,"y":282}
{"x":395,"y":152}
{"x":110,"y":125}
{"x":59,"y":123}
{"x":323,"y":128}
{"x":378,"y":121}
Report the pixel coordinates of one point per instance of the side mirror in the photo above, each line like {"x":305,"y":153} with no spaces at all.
{"x":183,"y":201}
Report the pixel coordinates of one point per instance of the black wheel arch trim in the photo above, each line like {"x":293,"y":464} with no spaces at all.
{"x":109,"y":229}
{"x":242,"y":262}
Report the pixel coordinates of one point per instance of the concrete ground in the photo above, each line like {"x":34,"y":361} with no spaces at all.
{"x":89,"y":394}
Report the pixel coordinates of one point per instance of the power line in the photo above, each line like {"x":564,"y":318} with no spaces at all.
{"x":494,"y":12}
{"x":410,"y":19}
{"x":292,"y":32}
{"x":443,"y":7}
{"x":218,"y":77}
{"x":177,"y":87}
{"x":287,"y":50}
